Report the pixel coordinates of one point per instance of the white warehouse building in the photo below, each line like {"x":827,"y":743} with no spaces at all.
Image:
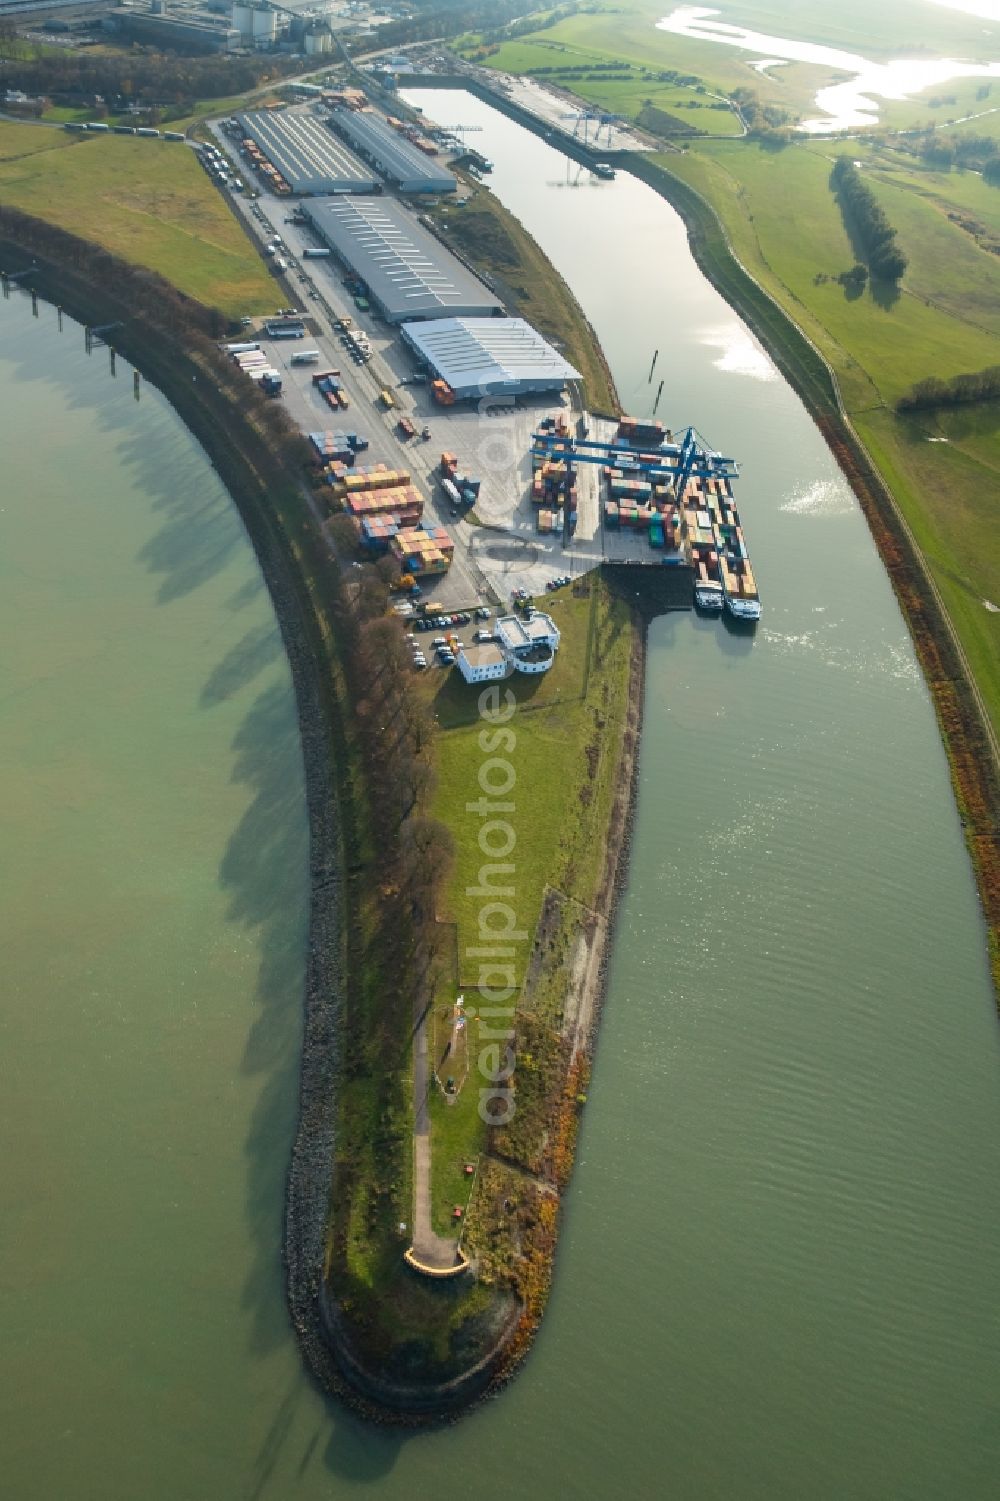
{"x":489,"y":356}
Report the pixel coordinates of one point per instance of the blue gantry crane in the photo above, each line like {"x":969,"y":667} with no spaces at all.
{"x":691,"y":458}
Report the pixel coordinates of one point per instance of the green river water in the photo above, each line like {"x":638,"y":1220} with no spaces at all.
{"x":781,"y":1249}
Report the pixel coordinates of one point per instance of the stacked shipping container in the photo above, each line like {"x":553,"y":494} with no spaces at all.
{"x":422,"y":550}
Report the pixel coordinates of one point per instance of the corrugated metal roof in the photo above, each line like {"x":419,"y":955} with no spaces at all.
{"x":307,"y":154}
{"x":408,"y":272}
{"x":398,"y":160}
{"x":477,"y":356}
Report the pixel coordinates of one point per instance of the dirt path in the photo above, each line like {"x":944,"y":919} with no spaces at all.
{"x":430,"y":1249}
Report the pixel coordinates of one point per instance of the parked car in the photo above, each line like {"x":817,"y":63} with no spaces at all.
{"x":483,"y":636}
{"x":464,"y":618}
{"x":482,"y":613}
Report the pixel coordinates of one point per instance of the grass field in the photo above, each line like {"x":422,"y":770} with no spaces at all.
{"x":566,"y":735}
{"x":146,"y":200}
{"x":947,"y":318}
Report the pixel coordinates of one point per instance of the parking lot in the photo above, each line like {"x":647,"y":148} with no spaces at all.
{"x":432,"y":638}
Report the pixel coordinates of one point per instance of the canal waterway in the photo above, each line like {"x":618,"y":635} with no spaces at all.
{"x":780,"y":1252}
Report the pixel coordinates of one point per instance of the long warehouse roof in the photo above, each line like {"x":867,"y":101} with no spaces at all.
{"x":307,"y":153}
{"x":408,"y":272}
{"x":480,"y":356}
{"x":397,"y":159}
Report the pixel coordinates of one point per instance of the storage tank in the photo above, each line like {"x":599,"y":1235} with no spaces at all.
{"x":318,"y":41}
{"x":242,"y":19}
{"x":265,"y":25}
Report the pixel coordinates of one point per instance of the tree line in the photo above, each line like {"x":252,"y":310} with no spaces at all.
{"x":960,"y":390}
{"x":141,"y":76}
{"x":436,"y":21}
{"x":960,"y":150}
{"x":765,"y":122}
{"x":864,"y":215}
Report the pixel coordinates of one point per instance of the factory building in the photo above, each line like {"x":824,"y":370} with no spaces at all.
{"x":391,"y":154}
{"x":307,"y":153}
{"x":195,"y":32}
{"x":477,"y":356}
{"x":408,"y":273}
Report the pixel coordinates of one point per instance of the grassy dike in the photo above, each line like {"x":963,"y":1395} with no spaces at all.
{"x":396,"y":1345}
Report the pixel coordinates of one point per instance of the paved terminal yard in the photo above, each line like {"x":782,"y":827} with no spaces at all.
{"x":552,"y":108}
{"x":492,"y":441}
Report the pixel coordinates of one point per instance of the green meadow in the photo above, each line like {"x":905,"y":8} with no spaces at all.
{"x":564,"y":737}
{"x":146,"y":200}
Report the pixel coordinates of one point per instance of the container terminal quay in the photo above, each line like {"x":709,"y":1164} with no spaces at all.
{"x":452,"y":434}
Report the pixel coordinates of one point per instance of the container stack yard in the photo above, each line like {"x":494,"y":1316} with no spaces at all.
{"x":676,"y":494}
{"x":423,"y":549}
{"x":405,"y":505}
{"x":384,"y":506}
{"x":553,"y":482}
{"x":337,"y":448}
